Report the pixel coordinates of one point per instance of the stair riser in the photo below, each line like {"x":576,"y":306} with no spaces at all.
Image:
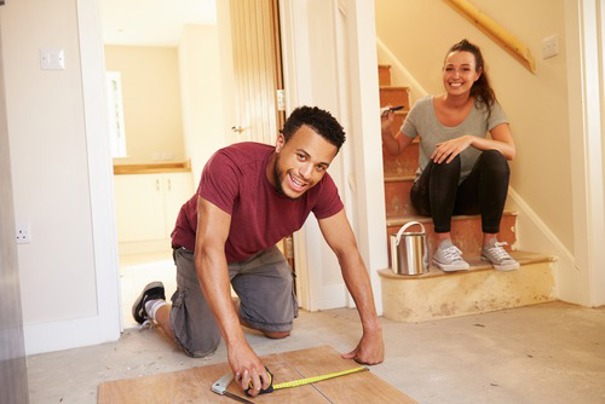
{"x":395,"y":96}
{"x":409,"y":299}
{"x":404,"y":164}
{"x":384,"y":75}
{"x":397,"y":199}
{"x":466,"y":233}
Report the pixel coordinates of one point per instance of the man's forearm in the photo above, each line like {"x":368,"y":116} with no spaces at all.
{"x":213,"y":276}
{"x":358,"y":283}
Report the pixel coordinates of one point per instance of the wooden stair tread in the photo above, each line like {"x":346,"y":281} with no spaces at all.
{"x":394,"y":88}
{"x":400,"y":112}
{"x":401,"y":220}
{"x":476,"y":264}
{"x":399,"y":178}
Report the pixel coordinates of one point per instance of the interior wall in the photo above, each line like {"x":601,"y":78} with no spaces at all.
{"x":57,"y":189}
{"x":536,"y":104}
{"x":151,"y":92}
{"x":49,"y":162}
{"x":202,"y":94}
{"x":13,"y":371}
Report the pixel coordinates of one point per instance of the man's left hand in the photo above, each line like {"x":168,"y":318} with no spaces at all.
{"x":369,"y":351}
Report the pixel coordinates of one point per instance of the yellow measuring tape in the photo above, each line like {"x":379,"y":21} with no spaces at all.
{"x":315,"y":379}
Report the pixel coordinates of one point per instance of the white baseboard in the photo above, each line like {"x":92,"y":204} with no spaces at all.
{"x":535,"y":235}
{"x":62,"y":335}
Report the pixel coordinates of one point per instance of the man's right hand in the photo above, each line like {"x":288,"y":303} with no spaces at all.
{"x":248,"y":370}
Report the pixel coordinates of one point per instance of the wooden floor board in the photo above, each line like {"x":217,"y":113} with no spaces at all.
{"x":193,"y":385}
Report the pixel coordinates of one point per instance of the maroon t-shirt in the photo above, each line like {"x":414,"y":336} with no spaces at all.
{"x":234,"y":180}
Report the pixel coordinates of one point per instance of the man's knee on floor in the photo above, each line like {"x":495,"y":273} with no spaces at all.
{"x":276,"y":334}
{"x":197,"y":350}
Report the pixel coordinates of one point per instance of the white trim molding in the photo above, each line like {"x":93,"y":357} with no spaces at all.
{"x":585,"y":72}
{"x":400,"y":74}
{"x":533,"y":234}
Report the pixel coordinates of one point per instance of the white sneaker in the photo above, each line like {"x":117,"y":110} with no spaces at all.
{"x":449,"y":258}
{"x":498,"y":257}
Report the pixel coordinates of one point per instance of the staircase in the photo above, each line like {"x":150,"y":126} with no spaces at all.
{"x":437,"y":294}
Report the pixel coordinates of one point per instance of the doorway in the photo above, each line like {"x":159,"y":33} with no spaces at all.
{"x":144,"y":244}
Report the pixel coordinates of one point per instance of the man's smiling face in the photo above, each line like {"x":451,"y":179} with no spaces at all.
{"x":301,"y":162}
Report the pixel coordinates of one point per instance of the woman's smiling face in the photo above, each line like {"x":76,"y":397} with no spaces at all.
{"x":460,"y":72}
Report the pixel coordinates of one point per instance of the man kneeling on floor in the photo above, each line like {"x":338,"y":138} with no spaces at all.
{"x":250,"y":196}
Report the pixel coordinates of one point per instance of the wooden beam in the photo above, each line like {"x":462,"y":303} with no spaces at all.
{"x":491,"y":28}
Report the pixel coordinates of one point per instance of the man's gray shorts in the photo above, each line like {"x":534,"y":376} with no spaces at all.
{"x":263,"y":283}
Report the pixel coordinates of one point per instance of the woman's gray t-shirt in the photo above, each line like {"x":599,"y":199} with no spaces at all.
{"x":422,"y":121}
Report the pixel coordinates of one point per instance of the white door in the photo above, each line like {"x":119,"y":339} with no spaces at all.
{"x":257,"y":69}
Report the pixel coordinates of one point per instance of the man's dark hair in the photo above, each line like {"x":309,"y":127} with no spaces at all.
{"x":317,"y":119}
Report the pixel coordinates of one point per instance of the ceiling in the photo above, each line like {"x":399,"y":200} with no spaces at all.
{"x":152,"y":22}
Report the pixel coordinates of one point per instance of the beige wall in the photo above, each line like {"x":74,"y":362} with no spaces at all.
{"x":49,"y":163}
{"x":535,"y":103}
{"x":152,"y":102}
{"x":205,"y":130}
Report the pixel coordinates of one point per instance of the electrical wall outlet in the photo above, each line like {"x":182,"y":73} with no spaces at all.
{"x":24,"y":234}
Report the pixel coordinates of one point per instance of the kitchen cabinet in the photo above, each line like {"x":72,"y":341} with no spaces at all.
{"x":147,"y":205}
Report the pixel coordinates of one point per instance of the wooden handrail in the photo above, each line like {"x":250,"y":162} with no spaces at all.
{"x":505,"y":39}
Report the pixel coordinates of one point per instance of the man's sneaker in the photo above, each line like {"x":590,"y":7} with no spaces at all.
{"x":153,"y":291}
{"x":449,"y":258}
{"x":498,"y":257}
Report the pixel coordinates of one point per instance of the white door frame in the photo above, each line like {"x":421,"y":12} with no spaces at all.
{"x":360,"y":174}
{"x":100,"y":171}
{"x":586,"y":101}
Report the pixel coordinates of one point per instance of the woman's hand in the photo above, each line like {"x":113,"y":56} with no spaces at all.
{"x":386,"y":120}
{"x":448,"y":150}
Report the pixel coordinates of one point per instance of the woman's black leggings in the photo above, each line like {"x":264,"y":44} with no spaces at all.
{"x":437,"y":193}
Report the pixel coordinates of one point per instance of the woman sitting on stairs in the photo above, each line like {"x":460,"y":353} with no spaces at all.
{"x":461,"y":170}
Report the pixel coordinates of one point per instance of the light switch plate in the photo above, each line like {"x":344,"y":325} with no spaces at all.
{"x":52,"y":59}
{"x":550,"y":46}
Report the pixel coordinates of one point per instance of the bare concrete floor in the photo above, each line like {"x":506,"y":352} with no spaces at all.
{"x":550,"y":353}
